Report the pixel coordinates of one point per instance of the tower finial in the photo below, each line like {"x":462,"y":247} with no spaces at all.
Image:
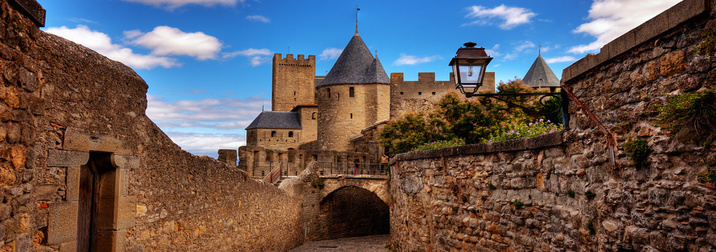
{"x":357,"y":9}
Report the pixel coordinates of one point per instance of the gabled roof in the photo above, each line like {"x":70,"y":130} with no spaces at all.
{"x":540,"y":75}
{"x":356,"y":65}
{"x":276,"y":120}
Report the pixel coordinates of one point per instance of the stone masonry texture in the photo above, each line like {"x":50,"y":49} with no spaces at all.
{"x":529,"y":195}
{"x":60,"y":101}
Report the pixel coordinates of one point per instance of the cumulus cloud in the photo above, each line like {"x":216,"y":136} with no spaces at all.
{"x":206,"y":144}
{"x":173,"y":4}
{"x":521,"y":46}
{"x":612,"y":18}
{"x":330,"y":53}
{"x":560,"y":59}
{"x":165,"y":40}
{"x":102,"y":44}
{"x":509,"y":17}
{"x":414,"y":60}
{"x":228,"y":114}
{"x":258,"y":18}
{"x":257,"y":56}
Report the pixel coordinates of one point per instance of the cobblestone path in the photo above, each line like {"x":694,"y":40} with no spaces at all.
{"x":363,"y":243}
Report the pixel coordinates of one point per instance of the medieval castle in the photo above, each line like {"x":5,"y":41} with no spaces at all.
{"x":333,"y":118}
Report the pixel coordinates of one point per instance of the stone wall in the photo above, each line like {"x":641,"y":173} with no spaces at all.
{"x":416,"y":96}
{"x":530,"y":194}
{"x":66,"y":110}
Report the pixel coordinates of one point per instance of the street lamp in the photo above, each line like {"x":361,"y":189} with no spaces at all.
{"x":468,"y":68}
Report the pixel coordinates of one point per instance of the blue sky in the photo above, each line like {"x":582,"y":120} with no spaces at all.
{"x":208,"y":62}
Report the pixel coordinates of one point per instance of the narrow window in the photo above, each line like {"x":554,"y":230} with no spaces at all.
{"x":351,"y":92}
{"x":294,"y":93}
{"x":329,"y":92}
{"x":351,"y":115}
{"x":290,"y":134}
{"x":313,"y":115}
{"x":401,"y":93}
{"x":433,"y":93}
{"x":420,"y":93}
{"x":273,"y":133}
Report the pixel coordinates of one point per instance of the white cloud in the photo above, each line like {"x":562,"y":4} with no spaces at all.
{"x":330,"y":53}
{"x":206,"y":144}
{"x":493,"y":51}
{"x":612,"y":18}
{"x":173,"y":4}
{"x":521,"y":46}
{"x":102,"y":44}
{"x":165,"y":40}
{"x":230,"y":114}
{"x":258,"y":56}
{"x":560,"y":59}
{"x":258,"y":18}
{"x":510,"y":16}
{"x":413,"y":60}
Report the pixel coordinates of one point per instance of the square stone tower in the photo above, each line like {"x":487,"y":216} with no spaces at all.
{"x":292,"y":81}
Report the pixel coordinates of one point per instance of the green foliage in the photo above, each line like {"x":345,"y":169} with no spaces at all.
{"x":518,"y":204}
{"x":458,"y":121}
{"x":590,"y":195}
{"x":519,"y":131}
{"x":440,"y":144}
{"x":491,"y":186}
{"x":570,"y":193}
{"x":708,"y":177}
{"x":708,"y":45}
{"x":693,"y":113}
{"x":590,"y":227}
{"x":638,"y":150}
{"x":318,"y":183}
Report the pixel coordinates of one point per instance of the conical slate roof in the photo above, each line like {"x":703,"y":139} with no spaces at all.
{"x":540,"y":75}
{"x":276,"y":120}
{"x":356,"y":65}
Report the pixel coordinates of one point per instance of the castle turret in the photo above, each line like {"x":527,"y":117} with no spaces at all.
{"x":354,"y":95}
{"x":293,"y":81}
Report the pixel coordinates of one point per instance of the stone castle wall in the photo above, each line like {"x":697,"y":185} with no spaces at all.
{"x":416,"y":96}
{"x":342,"y":117}
{"x":292,"y":81}
{"x":467,"y":197}
{"x":64,"y":108}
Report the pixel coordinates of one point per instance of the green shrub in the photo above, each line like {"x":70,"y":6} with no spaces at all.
{"x":439,"y":144}
{"x":590,"y":195}
{"x":708,"y":177}
{"x":638,"y":150}
{"x":570,"y":193}
{"x":518,"y":204}
{"x":318,"y":183}
{"x":692,"y":114}
{"x":590,"y":227}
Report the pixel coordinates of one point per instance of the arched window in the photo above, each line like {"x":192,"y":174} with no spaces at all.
{"x":329,"y":92}
{"x":351,"y":92}
{"x":273,"y":133}
{"x":290,"y":134}
{"x":313,"y":115}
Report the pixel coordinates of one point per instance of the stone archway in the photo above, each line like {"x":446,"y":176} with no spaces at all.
{"x":353,"y":211}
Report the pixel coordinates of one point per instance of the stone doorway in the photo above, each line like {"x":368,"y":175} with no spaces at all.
{"x":96,"y":201}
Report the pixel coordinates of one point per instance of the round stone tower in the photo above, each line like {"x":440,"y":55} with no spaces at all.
{"x":354,"y":95}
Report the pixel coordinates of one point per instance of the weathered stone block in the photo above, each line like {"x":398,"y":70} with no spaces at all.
{"x":126,"y":212}
{"x":79,"y":141}
{"x":672,"y":64}
{"x":73,"y":183}
{"x":65,"y":158}
{"x":123,"y":161}
{"x":684,"y":11}
{"x":62,"y":222}
{"x":70,"y":246}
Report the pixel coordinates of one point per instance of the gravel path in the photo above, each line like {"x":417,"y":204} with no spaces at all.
{"x":363,"y":243}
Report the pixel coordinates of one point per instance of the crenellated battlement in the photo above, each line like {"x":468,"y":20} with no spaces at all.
{"x":424,"y":77}
{"x":289,"y":60}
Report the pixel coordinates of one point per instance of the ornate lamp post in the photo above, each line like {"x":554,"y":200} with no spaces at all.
{"x":468,"y":68}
